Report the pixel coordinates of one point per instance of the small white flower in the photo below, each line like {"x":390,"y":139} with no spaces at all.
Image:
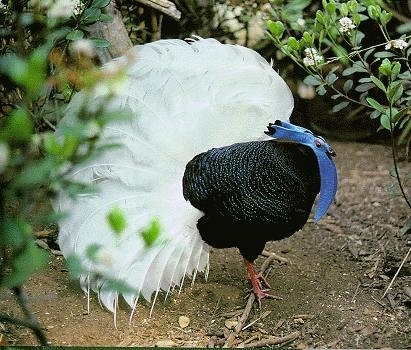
{"x":312,"y":57}
{"x":83,"y":47}
{"x":396,"y":44}
{"x":301,"y":22}
{"x":61,"y":9}
{"x":4,"y":156}
{"x":78,"y":7}
{"x":308,"y":62}
{"x":346,"y":24}
{"x":310,"y":52}
{"x":114,"y":82}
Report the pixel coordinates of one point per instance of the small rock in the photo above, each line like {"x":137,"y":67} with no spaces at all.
{"x":183,"y":321}
{"x":166,"y":343}
{"x":230,"y":324}
{"x":298,"y":321}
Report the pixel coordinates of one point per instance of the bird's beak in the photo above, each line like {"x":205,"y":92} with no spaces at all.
{"x":330,"y":152}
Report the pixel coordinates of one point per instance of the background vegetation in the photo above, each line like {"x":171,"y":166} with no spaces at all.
{"x":355,"y":56}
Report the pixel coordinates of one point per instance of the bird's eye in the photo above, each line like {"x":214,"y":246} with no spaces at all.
{"x":317,"y":143}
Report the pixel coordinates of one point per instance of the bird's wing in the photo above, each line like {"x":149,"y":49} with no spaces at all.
{"x":184,"y":99}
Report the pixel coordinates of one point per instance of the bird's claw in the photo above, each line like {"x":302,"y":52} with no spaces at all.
{"x":262,"y":280}
{"x":260,"y":285}
{"x":262,"y":293}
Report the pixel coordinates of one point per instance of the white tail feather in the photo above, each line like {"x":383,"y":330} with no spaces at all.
{"x":185,"y":98}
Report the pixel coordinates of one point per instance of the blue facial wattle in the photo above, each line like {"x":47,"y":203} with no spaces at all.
{"x":328,"y":173}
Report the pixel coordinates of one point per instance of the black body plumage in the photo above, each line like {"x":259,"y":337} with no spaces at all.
{"x":251,"y":193}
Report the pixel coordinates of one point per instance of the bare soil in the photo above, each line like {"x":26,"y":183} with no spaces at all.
{"x":332,"y":287}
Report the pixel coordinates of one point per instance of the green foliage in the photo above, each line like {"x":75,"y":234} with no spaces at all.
{"x":76,"y":269}
{"x":41,"y":69}
{"x":330,"y":47}
{"x":116,"y":220}
{"x":151,"y":234}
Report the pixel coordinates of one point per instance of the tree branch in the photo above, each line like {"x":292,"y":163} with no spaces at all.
{"x":165,"y":6}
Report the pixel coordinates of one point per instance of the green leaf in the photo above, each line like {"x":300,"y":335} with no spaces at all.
{"x":117,"y":220}
{"x":100,"y":3}
{"x":30,"y":260}
{"x":276,"y":28}
{"x":27,"y":72}
{"x":385,"y":17}
{"x":348,"y":85}
{"x":90,"y":15}
{"x":406,"y":128}
{"x":331,"y":78}
{"x":63,"y":147}
{"x":374,"y":11}
{"x":100,"y":42}
{"x":376,"y":105}
{"x":36,"y":72}
{"x":38,"y":172}
{"x":375,"y":114}
{"x":19,"y":126}
{"x":293,"y":43}
{"x":378,"y":83}
{"x":355,"y":68}
{"x":385,"y":67}
{"x":106,"y":18}
{"x":14,"y":67}
{"x":364,"y":87}
{"x":397,"y":117}
{"x":384,"y":54}
{"x":308,"y":39}
{"x":151,"y":233}
{"x":356,"y":18}
{"x":313,"y":80}
{"x":396,"y":68}
{"x":352,"y":6}
{"x":93,"y":252}
{"x":395,"y":91}
{"x":51,"y":144}
{"x":344,"y":10}
{"x":404,"y":28}
{"x":319,"y":16}
{"x":27,"y":257}
{"x":74,"y":265}
{"x":368,"y":52}
{"x":321,"y":90}
{"x":340,"y":106}
{"x":385,"y":121}
{"x":120,"y":286}
{"x":330,"y":8}
{"x":75,"y":34}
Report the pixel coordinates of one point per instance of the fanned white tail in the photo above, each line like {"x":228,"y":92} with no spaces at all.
{"x":185,"y":98}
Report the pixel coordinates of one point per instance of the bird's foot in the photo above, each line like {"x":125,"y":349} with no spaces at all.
{"x":260,"y":292}
{"x":259,"y":283}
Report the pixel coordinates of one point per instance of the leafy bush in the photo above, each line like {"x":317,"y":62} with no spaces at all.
{"x":49,"y":61}
{"x":371,"y":71}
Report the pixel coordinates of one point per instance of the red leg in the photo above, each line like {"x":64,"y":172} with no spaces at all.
{"x":257,"y":281}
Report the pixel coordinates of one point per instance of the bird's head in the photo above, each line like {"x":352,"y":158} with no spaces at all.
{"x":281,"y":130}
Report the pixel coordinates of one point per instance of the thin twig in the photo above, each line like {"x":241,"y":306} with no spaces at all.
{"x":230,"y":339}
{"x":31,"y":320}
{"x":243,"y":319}
{"x":396,"y":274}
{"x":275,"y":340}
{"x":394,"y":156}
{"x":275,"y":256}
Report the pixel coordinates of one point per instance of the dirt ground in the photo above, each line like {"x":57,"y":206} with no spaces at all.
{"x":332,"y":287}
